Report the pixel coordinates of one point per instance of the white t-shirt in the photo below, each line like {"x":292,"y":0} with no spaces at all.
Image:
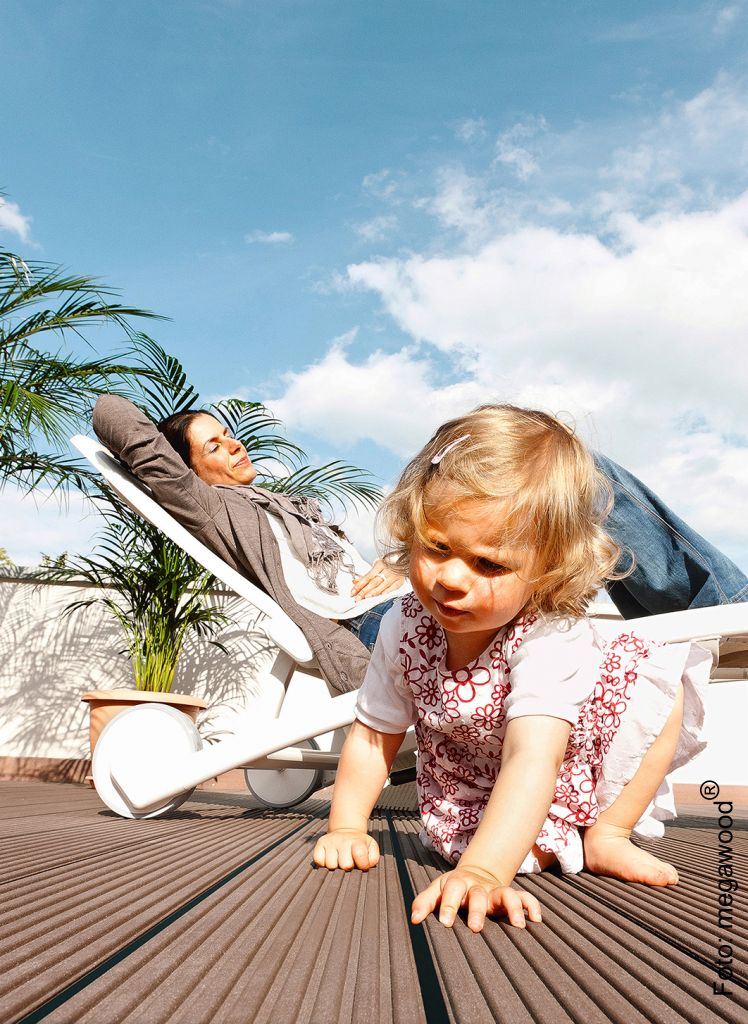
{"x":552,"y":673}
{"x":306,"y":592}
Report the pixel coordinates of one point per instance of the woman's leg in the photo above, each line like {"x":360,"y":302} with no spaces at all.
{"x":366,"y":626}
{"x":608,"y":849}
{"x":675,"y":567}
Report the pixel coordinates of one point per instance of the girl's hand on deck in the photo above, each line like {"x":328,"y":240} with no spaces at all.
{"x":380,"y":579}
{"x":346,"y":848}
{"x":480,"y":892}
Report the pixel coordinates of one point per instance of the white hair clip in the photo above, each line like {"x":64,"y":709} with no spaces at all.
{"x":448,"y":448}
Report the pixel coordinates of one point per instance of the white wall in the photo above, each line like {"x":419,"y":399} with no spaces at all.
{"x":48,"y":659}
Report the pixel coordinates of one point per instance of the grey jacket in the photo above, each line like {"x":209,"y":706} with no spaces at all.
{"x":228,"y":522}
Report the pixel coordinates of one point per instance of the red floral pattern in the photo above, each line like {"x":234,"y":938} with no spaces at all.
{"x":461,"y":725}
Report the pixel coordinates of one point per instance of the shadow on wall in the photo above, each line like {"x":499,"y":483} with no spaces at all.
{"x":49,"y":659}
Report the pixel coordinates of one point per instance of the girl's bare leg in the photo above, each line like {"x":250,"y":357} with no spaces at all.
{"x":608,"y":849}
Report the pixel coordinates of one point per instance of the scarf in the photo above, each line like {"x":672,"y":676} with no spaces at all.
{"x":311,"y":538}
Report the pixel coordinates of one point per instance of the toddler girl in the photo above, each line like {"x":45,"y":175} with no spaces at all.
{"x":529,"y":727}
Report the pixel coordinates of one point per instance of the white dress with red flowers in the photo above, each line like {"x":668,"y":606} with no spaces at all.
{"x":616,"y":695}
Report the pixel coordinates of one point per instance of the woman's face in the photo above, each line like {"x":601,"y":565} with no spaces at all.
{"x":216,"y":456}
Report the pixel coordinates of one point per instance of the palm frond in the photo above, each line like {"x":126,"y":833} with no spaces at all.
{"x":335,"y":480}
{"x":167,"y":390}
{"x":46,"y":394}
{"x":31,"y":469}
{"x":80,"y":300}
{"x":49,"y":394}
{"x":252,"y":423}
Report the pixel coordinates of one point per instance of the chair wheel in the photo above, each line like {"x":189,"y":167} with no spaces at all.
{"x":284,"y":787}
{"x":155,"y":729}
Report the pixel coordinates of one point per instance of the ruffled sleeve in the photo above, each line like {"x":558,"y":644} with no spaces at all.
{"x":384,"y":700}
{"x":553,"y":670}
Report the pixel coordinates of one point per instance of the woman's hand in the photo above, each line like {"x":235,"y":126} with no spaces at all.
{"x":346,"y":848}
{"x":478,"y":890}
{"x":380,"y":579}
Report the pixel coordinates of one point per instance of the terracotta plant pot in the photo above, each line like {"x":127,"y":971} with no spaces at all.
{"x":105,"y":704}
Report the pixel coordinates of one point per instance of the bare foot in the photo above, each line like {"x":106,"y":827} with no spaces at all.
{"x":608,"y":850}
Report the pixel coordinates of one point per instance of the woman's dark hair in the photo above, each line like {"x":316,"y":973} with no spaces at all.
{"x":176,"y":428}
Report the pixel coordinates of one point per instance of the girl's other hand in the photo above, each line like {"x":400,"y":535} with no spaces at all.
{"x":480,"y":892}
{"x":346,"y":848}
{"x":380,"y":579}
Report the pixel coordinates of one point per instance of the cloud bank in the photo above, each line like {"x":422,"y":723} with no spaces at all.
{"x":620,"y":300}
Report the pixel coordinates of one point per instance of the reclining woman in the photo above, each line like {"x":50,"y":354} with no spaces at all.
{"x":204,"y":478}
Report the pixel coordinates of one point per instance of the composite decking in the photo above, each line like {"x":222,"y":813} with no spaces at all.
{"x":216,"y":914}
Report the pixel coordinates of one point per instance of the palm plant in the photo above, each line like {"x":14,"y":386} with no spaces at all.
{"x":162,"y":595}
{"x":44,"y":393}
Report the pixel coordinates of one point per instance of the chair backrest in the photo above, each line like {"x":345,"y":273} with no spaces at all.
{"x":278,"y":626}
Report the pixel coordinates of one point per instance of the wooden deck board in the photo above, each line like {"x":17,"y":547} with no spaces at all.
{"x":216,"y":914}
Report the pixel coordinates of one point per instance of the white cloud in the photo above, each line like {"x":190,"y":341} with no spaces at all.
{"x":512,"y":149}
{"x":719,"y":114}
{"x":269,"y":237}
{"x":689,"y":155}
{"x":727,"y":16}
{"x":380,"y":184}
{"x":392,"y":398}
{"x":12,"y":220}
{"x":378,"y":228}
{"x":705,"y":475}
{"x":360,"y":529}
{"x":471,"y":129}
{"x":665,"y":307}
{"x":459,"y":201}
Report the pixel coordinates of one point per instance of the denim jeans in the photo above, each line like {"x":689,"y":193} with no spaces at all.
{"x":366,"y":626}
{"x":675,"y":567}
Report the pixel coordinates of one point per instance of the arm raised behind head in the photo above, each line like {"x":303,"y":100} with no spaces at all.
{"x":135,"y":440}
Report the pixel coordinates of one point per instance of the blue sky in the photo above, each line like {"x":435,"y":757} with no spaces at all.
{"x":373,"y":216}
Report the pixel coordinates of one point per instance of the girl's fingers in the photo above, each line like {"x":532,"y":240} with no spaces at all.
{"x":513,"y":907}
{"x":364,"y":854}
{"x":426,"y":901}
{"x":532,"y":907}
{"x":453,"y":896}
{"x":325,"y":856}
{"x":373,"y":853}
{"x":345,"y":857}
{"x":514,"y":902}
{"x":477,"y":908}
{"x":450,"y":892}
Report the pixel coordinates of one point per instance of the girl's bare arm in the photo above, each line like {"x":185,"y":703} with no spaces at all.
{"x":533,"y":750}
{"x":365,"y":763}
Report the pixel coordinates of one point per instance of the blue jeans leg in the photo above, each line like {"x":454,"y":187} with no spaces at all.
{"x":366,"y":626}
{"x":675,"y":567}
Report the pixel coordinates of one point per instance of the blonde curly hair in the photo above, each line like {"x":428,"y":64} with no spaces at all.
{"x":552,"y":498}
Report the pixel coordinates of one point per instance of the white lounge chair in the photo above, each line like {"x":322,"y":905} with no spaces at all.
{"x":148,"y":759}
